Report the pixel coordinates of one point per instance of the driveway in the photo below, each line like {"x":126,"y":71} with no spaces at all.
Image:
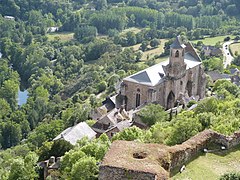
{"x":227,"y":57}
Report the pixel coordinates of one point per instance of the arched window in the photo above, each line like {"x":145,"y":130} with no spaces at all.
{"x":138,"y":96}
{"x":177,"y":54}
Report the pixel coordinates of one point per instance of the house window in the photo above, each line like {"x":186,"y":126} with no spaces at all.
{"x":137,"y":100}
{"x":177,"y":54}
{"x":138,"y":96}
{"x":112,"y":134}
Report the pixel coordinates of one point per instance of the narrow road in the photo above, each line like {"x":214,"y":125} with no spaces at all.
{"x":227,"y":57}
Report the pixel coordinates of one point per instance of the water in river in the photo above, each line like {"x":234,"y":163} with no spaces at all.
{"x":22,"y":97}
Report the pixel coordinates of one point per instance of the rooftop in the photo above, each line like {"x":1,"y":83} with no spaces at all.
{"x":153,"y":75}
{"x":177,"y":44}
{"x":75,"y":133}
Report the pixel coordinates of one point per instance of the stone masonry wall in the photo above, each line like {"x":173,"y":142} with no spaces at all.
{"x":178,"y":156}
{"x":114,"y":173}
{"x":181,"y":154}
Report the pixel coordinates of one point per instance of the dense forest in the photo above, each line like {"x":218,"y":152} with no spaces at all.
{"x":66,"y":79}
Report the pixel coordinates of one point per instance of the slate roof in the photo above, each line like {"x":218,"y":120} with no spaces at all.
{"x":152,"y":75}
{"x":233,"y":71}
{"x":215,"y":75}
{"x":177,"y":44}
{"x":75,"y":133}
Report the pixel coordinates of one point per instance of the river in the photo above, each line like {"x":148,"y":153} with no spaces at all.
{"x":22,"y":97}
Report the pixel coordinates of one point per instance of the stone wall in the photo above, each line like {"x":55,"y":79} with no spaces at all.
{"x":114,"y":173}
{"x":181,"y":154}
{"x":172,"y":157}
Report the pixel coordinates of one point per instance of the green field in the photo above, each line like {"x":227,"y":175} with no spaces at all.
{"x":235,"y":48}
{"x":212,"y":40}
{"x":132,"y":29}
{"x":62,"y":36}
{"x":151,"y":52}
{"x":211,"y":166}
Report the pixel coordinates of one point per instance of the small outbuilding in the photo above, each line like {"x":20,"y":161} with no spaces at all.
{"x":77,"y":132}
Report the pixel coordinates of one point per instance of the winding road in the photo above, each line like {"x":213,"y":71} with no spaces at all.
{"x":228,"y":58}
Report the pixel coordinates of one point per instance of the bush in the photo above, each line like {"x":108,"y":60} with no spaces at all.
{"x":230,"y":176}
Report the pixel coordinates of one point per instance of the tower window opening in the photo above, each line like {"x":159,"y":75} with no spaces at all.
{"x":177,"y":54}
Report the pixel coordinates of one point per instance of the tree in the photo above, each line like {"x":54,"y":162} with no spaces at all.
{"x":5,"y":108}
{"x":236,"y":61}
{"x":222,"y":85}
{"x":130,"y":134}
{"x":85,"y":169}
{"x":185,"y":126}
{"x":24,"y":168}
{"x":131,"y":38}
{"x":85,"y":33}
{"x":56,"y":148}
{"x":102,"y":86}
{"x":144,"y":46}
{"x":9,"y":92}
{"x":28,"y":39}
{"x":101,"y":4}
{"x":230,"y":176}
{"x":153,"y":113}
{"x":207,"y":105}
{"x":11,"y":134}
{"x":213,"y":64}
{"x":154,"y":43}
{"x":227,"y":38}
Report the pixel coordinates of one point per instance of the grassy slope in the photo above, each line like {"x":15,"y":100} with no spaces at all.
{"x":211,"y":166}
{"x":235,"y":47}
{"x":152,"y":52}
{"x":212,"y":40}
{"x":63,"y":36}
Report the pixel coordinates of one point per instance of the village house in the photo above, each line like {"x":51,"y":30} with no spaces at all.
{"x":76,"y":133}
{"x":166,"y":83}
{"x":211,"y":51}
{"x":114,"y":121}
{"x":235,"y":78}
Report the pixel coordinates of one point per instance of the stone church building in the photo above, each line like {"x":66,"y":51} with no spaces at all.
{"x":166,"y":83}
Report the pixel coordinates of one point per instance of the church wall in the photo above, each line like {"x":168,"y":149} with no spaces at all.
{"x":161,"y":93}
{"x":131,"y":92}
{"x":195,"y":74}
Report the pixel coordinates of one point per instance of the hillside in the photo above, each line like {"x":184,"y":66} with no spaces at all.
{"x":67,"y":56}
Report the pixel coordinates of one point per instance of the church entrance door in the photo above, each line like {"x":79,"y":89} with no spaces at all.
{"x":170,"y":100}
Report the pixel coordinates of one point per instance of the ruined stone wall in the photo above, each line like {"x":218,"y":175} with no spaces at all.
{"x":178,"y":155}
{"x":114,"y":173}
{"x":181,"y":154}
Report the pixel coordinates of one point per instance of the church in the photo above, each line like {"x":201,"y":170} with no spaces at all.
{"x":167,"y":83}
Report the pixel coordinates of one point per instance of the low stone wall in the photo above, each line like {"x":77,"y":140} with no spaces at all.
{"x":115,"y":173}
{"x":181,"y":154}
{"x":175,"y":156}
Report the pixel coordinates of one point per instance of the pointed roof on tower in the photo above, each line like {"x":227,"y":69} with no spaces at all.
{"x":177,"y":44}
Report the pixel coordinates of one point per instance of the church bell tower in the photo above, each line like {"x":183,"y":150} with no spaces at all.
{"x":176,"y":67}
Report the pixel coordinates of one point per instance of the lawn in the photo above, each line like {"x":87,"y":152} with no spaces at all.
{"x":151,"y":52}
{"x":211,"y":166}
{"x":235,"y":48}
{"x":62,"y":36}
{"x":132,"y":29}
{"x":212,"y":40}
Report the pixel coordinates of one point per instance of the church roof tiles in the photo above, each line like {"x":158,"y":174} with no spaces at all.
{"x":155,"y":74}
